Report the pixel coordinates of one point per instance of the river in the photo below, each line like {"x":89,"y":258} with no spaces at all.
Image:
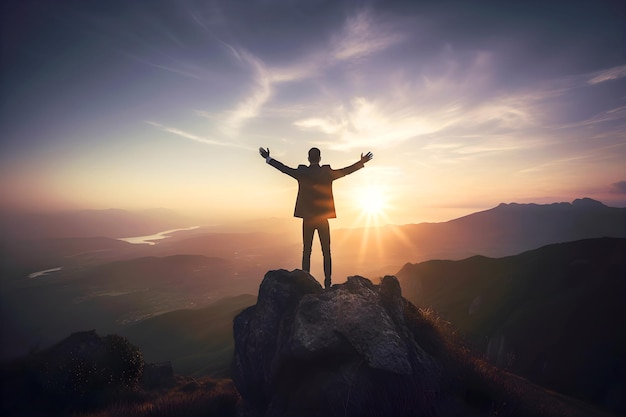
{"x":150,"y":239}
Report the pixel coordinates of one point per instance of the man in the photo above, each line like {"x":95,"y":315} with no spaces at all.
{"x":315,"y":203}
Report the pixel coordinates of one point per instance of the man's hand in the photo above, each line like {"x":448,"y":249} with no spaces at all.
{"x":365,"y":158}
{"x":265,"y":153}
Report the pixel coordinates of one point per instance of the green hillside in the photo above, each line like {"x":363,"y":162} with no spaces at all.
{"x":198,"y":342}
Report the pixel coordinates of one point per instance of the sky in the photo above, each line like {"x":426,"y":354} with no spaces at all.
{"x":141,"y":104}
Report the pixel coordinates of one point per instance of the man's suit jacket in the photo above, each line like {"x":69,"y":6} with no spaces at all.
{"x":315,"y":187}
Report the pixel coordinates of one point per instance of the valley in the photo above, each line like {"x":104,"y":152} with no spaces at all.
{"x":531,"y":288}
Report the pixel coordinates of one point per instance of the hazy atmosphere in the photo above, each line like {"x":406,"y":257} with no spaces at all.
{"x":143,"y":104}
{"x":167,"y":208}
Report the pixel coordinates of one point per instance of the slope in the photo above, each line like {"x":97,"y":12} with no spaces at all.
{"x":197,"y":341}
{"x":539,"y":313}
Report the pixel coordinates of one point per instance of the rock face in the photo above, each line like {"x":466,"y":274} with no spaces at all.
{"x":357,"y":349}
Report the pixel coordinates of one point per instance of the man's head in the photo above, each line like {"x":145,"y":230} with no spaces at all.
{"x":314,"y":156}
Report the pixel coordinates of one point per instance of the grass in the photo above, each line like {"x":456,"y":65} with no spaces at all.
{"x":188,"y":398}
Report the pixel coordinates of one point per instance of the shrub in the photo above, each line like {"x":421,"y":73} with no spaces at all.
{"x":83,"y":371}
{"x":123,"y":363}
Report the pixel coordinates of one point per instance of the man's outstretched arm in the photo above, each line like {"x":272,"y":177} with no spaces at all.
{"x":354,"y":167}
{"x":265,"y":153}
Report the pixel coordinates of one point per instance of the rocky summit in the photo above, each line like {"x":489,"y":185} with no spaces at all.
{"x":356,"y":349}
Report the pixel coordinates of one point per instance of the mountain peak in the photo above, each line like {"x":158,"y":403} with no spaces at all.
{"x":308,"y":352}
{"x":587,"y":202}
{"x":584,"y":203}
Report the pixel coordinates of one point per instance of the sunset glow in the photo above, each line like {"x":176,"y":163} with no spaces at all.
{"x":165,"y":104}
{"x":372,"y":201}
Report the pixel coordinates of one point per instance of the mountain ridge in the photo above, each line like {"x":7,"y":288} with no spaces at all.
{"x":112,"y":223}
{"x":504,"y":230}
{"x":537,"y":313}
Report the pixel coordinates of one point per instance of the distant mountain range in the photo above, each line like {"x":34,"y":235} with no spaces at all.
{"x":112,"y":223}
{"x":553,"y":315}
{"x":511,"y":228}
{"x":507,"y":229}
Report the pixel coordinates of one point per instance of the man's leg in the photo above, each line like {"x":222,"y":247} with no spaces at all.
{"x":308,"y":229}
{"x":323,"y":230}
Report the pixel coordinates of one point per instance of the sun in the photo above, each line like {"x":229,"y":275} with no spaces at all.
{"x":372,"y":201}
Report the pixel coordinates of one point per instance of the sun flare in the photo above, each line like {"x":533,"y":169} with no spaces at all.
{"x":372,"y":201}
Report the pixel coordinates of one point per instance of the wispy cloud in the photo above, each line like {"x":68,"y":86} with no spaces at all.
{"x":452,"y":106}
{"x":196,"y":138}
{"x":556,"y":164}
{"x":607,"y":75}
{"x":618,"y":113}
{"x":362,"y":35}
{"x":178,"y":67}
{"x":494,"y":146}
{"x":250,"y":106}
{"x":330,"y":127}
{"x":263,"y":82}
{"x":363,"y":123}
{"x":565,"y":159}
{"x":457,"y":107}
{"x":439,"y":145}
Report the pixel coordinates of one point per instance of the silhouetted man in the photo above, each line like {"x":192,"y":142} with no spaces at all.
{"x":315,"y":203}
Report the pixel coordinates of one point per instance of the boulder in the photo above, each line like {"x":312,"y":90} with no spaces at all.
{"x":350,"y":350}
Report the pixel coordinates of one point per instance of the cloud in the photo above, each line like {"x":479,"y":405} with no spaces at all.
{"x":457,"y":105}
{"x":362,"y":35}
{"x":556,"y":164}
{"x":618,"y":113}
{"x":194,"y":137}
{"x":607,"y":75}
{"x":449,"y":99}
{"x":250,"y":106}
{"x":329,"y":127}
{"x":186,"y":70}
{"x":619,"y":187}
{"x":441,"y":146}
{"x":362,"y":123}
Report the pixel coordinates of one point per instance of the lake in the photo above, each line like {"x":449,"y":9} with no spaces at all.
{"x":44,"y":272}
{"x":150,"y":239}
